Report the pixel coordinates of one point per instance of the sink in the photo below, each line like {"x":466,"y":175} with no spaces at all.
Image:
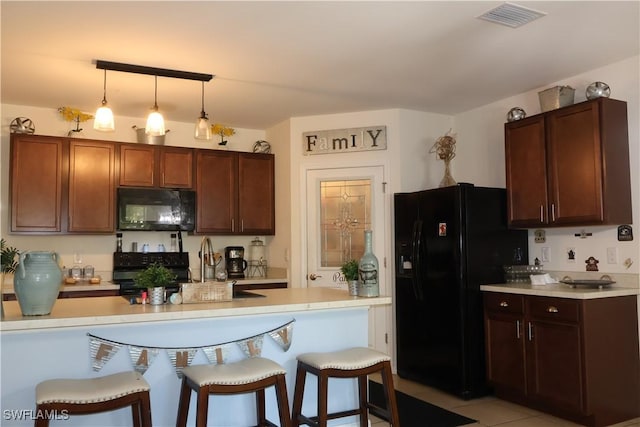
{"x":238,"y":294}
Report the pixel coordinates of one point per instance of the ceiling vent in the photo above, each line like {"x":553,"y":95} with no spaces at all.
{"x":511,"y":15}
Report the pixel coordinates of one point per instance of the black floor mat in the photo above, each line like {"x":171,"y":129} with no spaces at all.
{"x":415,"y":412}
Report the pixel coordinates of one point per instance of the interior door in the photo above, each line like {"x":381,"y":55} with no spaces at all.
{"x":341,"y":204}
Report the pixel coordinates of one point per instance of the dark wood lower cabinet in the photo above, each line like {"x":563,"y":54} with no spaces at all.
{"x":577,"y":359}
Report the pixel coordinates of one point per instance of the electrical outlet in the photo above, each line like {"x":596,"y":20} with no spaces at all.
{"x":612,"y":255}
{"x":539,"y":236}
{"x":545,"y":254}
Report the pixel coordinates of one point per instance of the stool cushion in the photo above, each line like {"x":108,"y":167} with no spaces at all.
{"x":242,"y":372}
{"x":351,"y":358}
{"x":90,"y":390}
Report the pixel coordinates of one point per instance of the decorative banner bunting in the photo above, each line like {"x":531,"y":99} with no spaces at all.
{"x":283,"y":336}
{"x":216,"y":355}
{"x":252,"y":347}
{"x":181,"y":358}
{"x":142,"y":357}
{"x":102,"y":350}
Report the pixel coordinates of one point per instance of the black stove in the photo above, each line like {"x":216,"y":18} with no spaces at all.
{"x":127,"y":264}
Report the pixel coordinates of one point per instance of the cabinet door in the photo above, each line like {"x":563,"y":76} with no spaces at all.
{"x":256,"y":201}
{"x":137,"y":165}
{"x":36,"y":183}
{"x":575,"y":165}
{"x":505,"y":342}
{"x":555,"y":365}
{"x":176,"y":167}
{"x":216,"y":191}
{"x":91,"y":186}
{"x":526,"y":172}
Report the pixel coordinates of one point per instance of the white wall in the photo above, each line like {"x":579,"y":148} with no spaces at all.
{"x":97,"y":250}
{"x":480,"y":159}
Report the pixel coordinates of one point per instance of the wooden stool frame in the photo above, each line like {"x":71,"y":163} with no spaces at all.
{"x":139,"y":402}
{"x":390,"y":414}
{"x":256,"y":386}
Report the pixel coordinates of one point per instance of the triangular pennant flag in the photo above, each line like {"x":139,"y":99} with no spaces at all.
{"x":142,"y":357}
{"x":101,"y":352}
{"x":283,"y":336}
{"x":217,"y":355}
{"x":252,"y":347}
{"x":181,"y":358}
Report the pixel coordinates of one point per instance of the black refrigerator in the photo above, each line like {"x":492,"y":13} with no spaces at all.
{"x":448,"y":242}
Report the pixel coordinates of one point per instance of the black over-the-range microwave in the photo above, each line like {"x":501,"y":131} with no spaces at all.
{"x":145,"y":209}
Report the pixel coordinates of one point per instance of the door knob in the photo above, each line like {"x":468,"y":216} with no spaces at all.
{"x":313,"y":276}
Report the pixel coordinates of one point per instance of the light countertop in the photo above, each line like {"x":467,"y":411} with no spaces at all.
{"x":74,"y":312}
{"x":561,"y":290}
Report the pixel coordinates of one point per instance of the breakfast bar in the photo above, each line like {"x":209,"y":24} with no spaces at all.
{"x":63,"y":345}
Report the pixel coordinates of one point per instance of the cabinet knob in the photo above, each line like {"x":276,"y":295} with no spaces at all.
{"x":504,"y":304}
{"x":552,"y":309}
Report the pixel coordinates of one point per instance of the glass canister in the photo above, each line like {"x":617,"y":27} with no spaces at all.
{"x":257,"y":262}
{"x":368,"y":272}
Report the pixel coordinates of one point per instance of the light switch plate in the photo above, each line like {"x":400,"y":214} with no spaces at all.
{"x":612,"y":255}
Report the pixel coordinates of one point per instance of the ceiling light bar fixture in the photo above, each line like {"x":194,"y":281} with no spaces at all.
{"x":104,"y":116}
{"x":155,"y":121}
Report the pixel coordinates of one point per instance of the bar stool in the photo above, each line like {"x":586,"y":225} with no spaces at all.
{"x":358,"y":362}
{"x":94,"y":395}
{"x":249,"y":375}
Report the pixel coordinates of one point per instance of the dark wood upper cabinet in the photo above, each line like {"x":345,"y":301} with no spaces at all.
{"x":155,"y":166}
{"x":569,"y":166}
{"x":37,"y":172}
{"x":92,"y":186}
{"x":235,"y":193}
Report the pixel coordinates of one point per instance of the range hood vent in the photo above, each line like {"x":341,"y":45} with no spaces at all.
{"x":511,"y":15}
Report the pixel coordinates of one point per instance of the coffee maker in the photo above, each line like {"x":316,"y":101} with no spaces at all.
{"x":235,"y":262}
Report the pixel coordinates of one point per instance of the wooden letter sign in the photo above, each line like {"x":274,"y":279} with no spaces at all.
{"x":345,"y":140}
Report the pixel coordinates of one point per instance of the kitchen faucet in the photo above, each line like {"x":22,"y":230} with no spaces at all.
{"x":207,"y":257}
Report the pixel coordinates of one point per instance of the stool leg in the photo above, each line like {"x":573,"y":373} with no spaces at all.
{"x":323,"y":390}
{"x":145,"y":409}
{"x":364,"y":409}
{"x":41,"y":421}
{"x":301,"y":376}
{"x":261,"y":416}
{"x":183,"y":406}
{"x":202,"y":410}
{"x":283,"y":401}
{"x":136,"y":414}
{"x":390,"y":394}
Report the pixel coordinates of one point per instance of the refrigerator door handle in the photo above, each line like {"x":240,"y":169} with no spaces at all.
{"x":417,"y":262}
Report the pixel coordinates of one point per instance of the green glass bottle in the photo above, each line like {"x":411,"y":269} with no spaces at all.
{"x":368,"y":277}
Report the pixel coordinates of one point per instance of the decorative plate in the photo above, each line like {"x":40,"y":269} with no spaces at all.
{"x":590,"y":283}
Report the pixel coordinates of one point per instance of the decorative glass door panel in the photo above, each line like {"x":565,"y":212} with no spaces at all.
{"x":345,"y":212}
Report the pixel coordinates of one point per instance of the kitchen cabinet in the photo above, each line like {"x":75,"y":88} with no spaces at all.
{"x":569,"y":166}
{"x":92,"y":186}
{"x":37,"y":172}
{"x":235,"y":193}
{"x":577,"y":359}
{"x":154,"y":166}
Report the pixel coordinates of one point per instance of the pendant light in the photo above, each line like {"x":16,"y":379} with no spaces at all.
{"x":155,"y":121}
{"x":104,"y":116}
{"x":203,"y":130}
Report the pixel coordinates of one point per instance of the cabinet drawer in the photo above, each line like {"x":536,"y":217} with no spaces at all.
{"x":504,"y":303}
{"x":544,"y":308}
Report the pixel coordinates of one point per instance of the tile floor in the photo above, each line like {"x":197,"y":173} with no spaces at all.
{"x":489,"y":411}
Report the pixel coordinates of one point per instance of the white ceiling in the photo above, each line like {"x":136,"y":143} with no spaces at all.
{"x":275,"y":60}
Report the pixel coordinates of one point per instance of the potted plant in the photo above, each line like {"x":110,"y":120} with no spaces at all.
{"x":350,"y":271}
{"x":8,"y":264}
{"x":155,"y":278}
